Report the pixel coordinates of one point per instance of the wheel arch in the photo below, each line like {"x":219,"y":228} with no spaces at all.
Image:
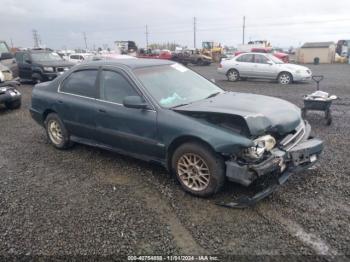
{"x":37,"y":74}
{"x":231,"y":68}
{"x":285,"y":71}
{"x":180,"y":141}
{"x":47,"y":112}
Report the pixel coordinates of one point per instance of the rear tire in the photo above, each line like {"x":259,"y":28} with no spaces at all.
{"x":285,"y":78}
{"x":13,"y":104}
{"x":198,"y":168}
{"x":232,"y":75}
{"x":57,"y":133}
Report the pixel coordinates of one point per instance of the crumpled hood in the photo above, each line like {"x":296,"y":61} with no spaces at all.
{"x":261,"y":113}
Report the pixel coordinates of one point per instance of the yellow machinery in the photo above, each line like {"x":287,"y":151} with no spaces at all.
{"x":212,"y":49}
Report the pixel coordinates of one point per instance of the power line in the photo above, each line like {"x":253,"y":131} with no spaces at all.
{"x":84,"y":34}
{"x":147,"y":37}
{"x":243,"y":29}
{"x":36,"y":39}
{"x":194,"y":32}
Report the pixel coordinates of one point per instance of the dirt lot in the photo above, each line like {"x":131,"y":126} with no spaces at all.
{"x":87,"y":201}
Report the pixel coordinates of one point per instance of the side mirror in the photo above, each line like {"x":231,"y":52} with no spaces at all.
{"x":28,"y":61}
{"x":5,"y":56}
{"x":270,"y":62}
{"x":135,"y":102}
{"x":213,"y":80}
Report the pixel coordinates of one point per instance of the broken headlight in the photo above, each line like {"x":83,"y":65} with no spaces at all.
{"x":261,"y":145}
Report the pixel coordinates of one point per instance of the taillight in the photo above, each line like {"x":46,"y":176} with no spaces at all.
{"x":220,"y":65}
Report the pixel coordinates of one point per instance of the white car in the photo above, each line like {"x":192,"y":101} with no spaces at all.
{"x":78,"y":58}
{"x":266,"y":66}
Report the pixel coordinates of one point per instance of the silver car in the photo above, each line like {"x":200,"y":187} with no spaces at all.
{"x":267,"y":66}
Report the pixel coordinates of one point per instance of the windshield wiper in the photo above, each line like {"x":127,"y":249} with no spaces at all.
{"x":184,"y":104}
{"x":212,"y":95}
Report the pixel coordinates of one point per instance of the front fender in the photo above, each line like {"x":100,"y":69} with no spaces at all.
{"x":173,"y":126}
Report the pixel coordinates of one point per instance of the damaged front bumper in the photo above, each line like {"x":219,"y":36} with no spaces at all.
{"x":9,"y":94}
{"x":281,"y":163}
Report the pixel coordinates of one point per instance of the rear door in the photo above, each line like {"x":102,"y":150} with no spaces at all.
{"x":245,"y":65}
{"x":76,"y":103}
{"x":128,"y":129}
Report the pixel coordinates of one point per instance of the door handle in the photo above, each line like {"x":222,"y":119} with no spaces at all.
{"x":60,"y":101}
{"x":102,"y":111}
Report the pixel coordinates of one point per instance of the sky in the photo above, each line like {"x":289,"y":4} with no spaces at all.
{"x":61,"y":23}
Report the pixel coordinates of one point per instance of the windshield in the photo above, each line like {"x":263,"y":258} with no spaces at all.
{"x":46,"y":56}
{"x":275,"y":59}
{"x":174,"y":85}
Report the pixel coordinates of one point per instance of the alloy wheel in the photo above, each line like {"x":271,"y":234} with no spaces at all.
{"x":284,"y":79}
{"x":55,"y":132}
{"x":193,"y":171}
{"x":232,"y":75}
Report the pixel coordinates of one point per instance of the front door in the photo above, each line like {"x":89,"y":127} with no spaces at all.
{"x":264,"y":67}
{"x":127,"y":129}
{"x":24,"y":66}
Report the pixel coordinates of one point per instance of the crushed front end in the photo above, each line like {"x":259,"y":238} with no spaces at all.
{"x":281,"y":158}
{"x":8,"y":92}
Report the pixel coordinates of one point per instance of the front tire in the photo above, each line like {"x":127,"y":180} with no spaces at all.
{"x":199,"y":169}
{"x":232,"y":75}
{"x":285,"y":78}
{"x":56,"y":132}
{"x":37,"y":78}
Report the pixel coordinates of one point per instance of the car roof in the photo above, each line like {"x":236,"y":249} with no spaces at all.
{"x":131,"y":63}
{"x":81,"y":54}
{"x":254,"y":53}
{"x":36,"y":51}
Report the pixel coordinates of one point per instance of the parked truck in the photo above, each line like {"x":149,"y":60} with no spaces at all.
{"x":126,"y":47}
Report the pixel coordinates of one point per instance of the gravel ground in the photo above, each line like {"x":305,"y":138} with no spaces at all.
{"x":87,"y":201}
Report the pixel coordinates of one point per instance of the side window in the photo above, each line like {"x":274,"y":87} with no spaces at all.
{"x":114,"y":87}
{"x":81,"y":83}
{"x":260,"y":59}
{"x":248,"y":58}
{"x":19,"y":58}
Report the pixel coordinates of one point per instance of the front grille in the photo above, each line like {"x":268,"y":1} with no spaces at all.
{"x":293,"y":138}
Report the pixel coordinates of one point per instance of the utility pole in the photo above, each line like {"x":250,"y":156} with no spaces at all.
{"x":36,"y":38}
{"x":84,"y":34}
{"x":243,"y":29}
{"x":194,"y":32}
{"x":11,"y":42}
{"x":147,"y":37}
